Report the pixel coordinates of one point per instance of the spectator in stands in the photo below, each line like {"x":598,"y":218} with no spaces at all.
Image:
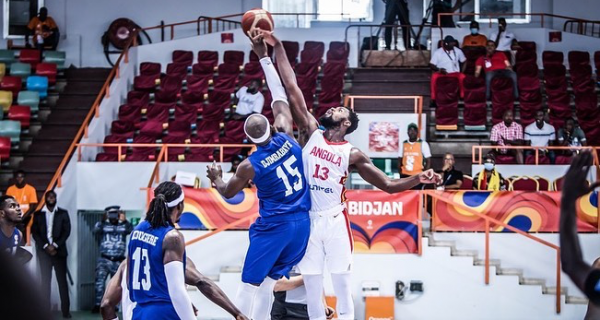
{"x":445,"y":62}
{"x":495,"y":64}
{"x":249,"y":101}
{"x":415,"y":155}
{"x":235,"y":162}
{"x":290,"y":300}
{"x":504,"y":40}
{"x":113,"y":231}
{"x":51,"y":229}
{"x":399,"y":9}
{"x":571,"y":135}
{"x":489,"y":178}
{"x":508,"y":133}
{"x":541,"y":134}
{"x":475,"y":39}
{"x":452,"y":178}
{"x":26,"y":196}
{"x":44,"y":30}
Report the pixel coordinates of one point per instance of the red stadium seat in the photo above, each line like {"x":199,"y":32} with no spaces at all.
{"x":177,"y":69}
{"x":31,"y":56}
{"x":528,"y":45}
{"x":163,"y":96}
{"x":526,"y":57}
{"x":145,"y":83}
{"x":201,"y":154}
{"x":152,"y":128}
{"x":204,"y":68}
{"x":174,"y":153}
{"x":552,"y":58}
{"x":186,"y":113}
{"x":313,"y":52}
{"x":143,"y":153}
{"x":122,"y":128}
{"x":234,"y":132}
{"x":170,"y":84}
{"x":138,"y":98}
{"x":503,"y":98}
{"x":334,"y":69}
{"x":196,"y":83}
{"x":193,"y":99}
{"x":227,"y":78}
{"x":560,"y":159}
{"x":130,"y":113}
{"x":252,"y":71}
{"x":543,"y":183}
{"x":254,"y":57}
{"x":525,"y":184}
{"x":159,"y":111}
{"x":475,"y":113}
{"x":530,"y":99}
{"x":558,"y":183}
{"x":13,"y":84}
{"x":292,"y":48}
{"x":267,"y":111}
{"x":183,"y":57}
{"x":578,"y":58}
{"x":21,"y":114}
{"x":447,"y":96}
{"x":234,"y":57}
{"x":586,"y":101}
{"x":467,"y":183}
{"x":505,"y":159}
{"x":472,"y":54}
{"x":527,"y":70}
{"x":338,"y":52}
{"x":219,"y":98}
{"x":209,"y":57}
{"x":209,"y":129}
{"x":48,"y":70}
{"x":115,"y":139}
{"x":150,"y":69}
{"x":5,"y":146}
{"x":182,"y":129}
{"x":542,"y":159}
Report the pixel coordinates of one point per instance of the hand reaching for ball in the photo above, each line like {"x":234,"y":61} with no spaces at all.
{"x":258,"y":44}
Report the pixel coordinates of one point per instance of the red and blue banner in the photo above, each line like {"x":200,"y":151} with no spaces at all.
{"x":525,"y":210}
{"x":380,"y":222}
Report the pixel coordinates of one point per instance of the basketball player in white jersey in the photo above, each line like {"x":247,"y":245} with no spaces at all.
{"x":116,"y":292}
{"x":328,"y":159}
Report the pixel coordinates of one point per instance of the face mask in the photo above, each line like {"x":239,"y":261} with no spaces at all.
{"x":488,"y":166}
{"x":474,"y":31}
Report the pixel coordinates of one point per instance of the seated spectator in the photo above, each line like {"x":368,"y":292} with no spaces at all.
{"x":504,"y":40}
{"x":495,"y":64}
{"x":44,"y":30}
{"x":489,"y":178}
{"x":26,"y":195}
{"x":541,"y":134}
{"x":445,"y":62}
{"x":415,"y":155}
{"x":250,"y":101}
{"x":508,"y":133}
{"x":571,"y":135}
{"x":452,"y":178}
{"x":290,"y":300}
{"x":475,"y":39}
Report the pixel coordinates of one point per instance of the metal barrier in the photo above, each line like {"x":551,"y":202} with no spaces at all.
{"x":477,"y":151}
{"x":583,"y":27}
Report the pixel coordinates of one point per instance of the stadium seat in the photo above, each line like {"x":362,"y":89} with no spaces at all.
{"x":528,"y":45}
{"x":7,"y":57}
{"x":209,"y":129}
{"x":197,"y":83}
{"x":138,"y":98}
{"x":267,"y":111}
{"x":292,"y":49}
{"x":234,"y":132}
{"x":475,"y":112}
{"x":526,"y":57}
{"x":252,"y":71}
{"x":183,"y":57}
{"x":11,"y":83}
{"x":175,"y":153}
{"x":472,"y":54}
{"x":39,"y":84}
{"x":586,"y":100}
{"x":4,"y":149}
{"x":115,"y":139}
{"x":204,"y":69}
{"x":505,"y":159}
{"x":563,"y":159}
{"x":2,"y":70}
{"x":146,"y":80}
{"x":578,"y":58}
{"x":312,"y":52}
{"x":120,"y":128}
{"x":530,"y":159}
{"x":524,"y":183}
{"x":530,"y":99}
{"x":195,"y":98}
{"x":558,"y":183}
{"x":19,"y":69}
{"x":467,"y":183}
{"x":543,"y":183}
{"x":181,"y":129}
{"x":130,"y":112}
{"x":227,"y":77}
{"x":56,"y":57}
{"x":334,"y":69}
{"x":331,"y":94}
{"x":234,"y":57}
{"x":171,"y":84}
{"x":177,"y":69}
{"x":503,"y":98}
{"x":447,"y":96}
{"x":11,"y":129}
{"x":597,"y":64}
{"x":153,"y":128}
{"x":159,"y":112}
{"x":338,"y":52}
{"x":150,"y":68}
{"x":6,"y":100}
{"x":29,"y":98}
{"x":48,"y":70}
{"x":220,"y":99}
{"x":31,"y":56}
{"x":21,"y":114}
{"x":164,"y":96}
{"x":210,"y":57}
{"x":253,"y":57}
{"x":552,"y":58}
{"x":580,"y":75}
{"x":186,"y":113}
{"x":142,"y":153}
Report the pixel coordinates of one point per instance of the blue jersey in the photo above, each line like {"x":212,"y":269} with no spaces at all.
{"x":10,"y":243}
{"x":147,"y":281}
{"x":279,"y":177}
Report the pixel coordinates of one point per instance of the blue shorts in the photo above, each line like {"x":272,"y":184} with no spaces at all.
{"x":155,"y":310}
{"x":277,"y":244}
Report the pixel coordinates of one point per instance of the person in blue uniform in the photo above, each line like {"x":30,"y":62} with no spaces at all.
{"x":279,"y":237}
{"x":156,"y":260}
{"x":11,"y":239}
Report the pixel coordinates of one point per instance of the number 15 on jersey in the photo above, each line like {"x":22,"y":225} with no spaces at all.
{"x":291,"y":171}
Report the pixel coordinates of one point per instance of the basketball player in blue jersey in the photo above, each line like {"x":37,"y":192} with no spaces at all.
{"x":279,"y":236}
{"x":156,"y":260}
{"x":11,"y":238}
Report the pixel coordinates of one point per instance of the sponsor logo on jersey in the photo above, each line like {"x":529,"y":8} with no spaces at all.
{"x":326,"y":155}
{"x":144,"y":237}
{"x":315,"y":187}
{"x":374,"y":208}
{"x":285,"y":148}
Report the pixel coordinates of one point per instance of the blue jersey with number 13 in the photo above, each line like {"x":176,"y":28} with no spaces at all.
{"x":279,"y":177}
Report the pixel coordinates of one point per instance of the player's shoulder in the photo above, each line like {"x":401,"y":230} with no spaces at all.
{"x":173,"y":238}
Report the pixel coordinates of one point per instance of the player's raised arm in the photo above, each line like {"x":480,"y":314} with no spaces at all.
{"x":304,"y":120}
{"x":280,"y":105}
{"x":174,"y":248}
{"x":237,"y":183}
{"x":210,"y":290}
{"x":368,"y":171}
{"x":112,"y":295}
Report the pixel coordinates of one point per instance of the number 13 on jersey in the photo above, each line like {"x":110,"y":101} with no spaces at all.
{"x":291,"y":171}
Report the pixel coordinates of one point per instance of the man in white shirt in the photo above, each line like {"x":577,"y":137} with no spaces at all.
{"x":540,"y":134}
{"x":445,"y":62}
{"x":505,"y":40}
{"x":250,"y":101}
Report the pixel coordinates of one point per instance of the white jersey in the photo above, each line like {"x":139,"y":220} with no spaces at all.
{"x":126,"y":304}
{"x":326,"y":169}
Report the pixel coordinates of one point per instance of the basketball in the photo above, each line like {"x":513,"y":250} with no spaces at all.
{"x":257,"y":18}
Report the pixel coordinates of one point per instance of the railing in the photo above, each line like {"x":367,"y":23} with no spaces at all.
{"x":583,"y":27}
{"x":488,"y":220}
{"x":478,"y":151}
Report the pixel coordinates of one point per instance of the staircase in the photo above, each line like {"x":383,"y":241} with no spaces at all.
{"x":44,"y":147}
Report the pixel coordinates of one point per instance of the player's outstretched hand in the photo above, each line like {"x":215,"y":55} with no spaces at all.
{"x":258,"y":44}
{"x":575,"y":184}
{"x":429,"y":177}
{"x":214,"y":171}
{"x":268,"y":36}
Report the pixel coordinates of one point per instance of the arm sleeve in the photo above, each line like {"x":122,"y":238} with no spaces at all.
{"x":258,"y":104}
{"x":435,"y":57}
{"x":238,"y":94}
{"x":425,"y":149}
{"x":273,"y":81}
{"x":461,"y":55}
{"x":176,"y":286}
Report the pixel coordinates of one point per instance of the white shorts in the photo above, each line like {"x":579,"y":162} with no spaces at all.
{"x":330,"y":242}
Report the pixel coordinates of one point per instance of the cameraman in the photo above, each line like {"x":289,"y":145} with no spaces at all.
{"x":113,"y":230}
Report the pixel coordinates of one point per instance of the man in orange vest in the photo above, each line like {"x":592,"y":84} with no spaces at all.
{"x":26,"y":195}
{"x":415,"y":155}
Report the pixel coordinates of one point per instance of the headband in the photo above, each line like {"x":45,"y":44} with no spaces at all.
{"x":175,"y":202}
{"x":262,"y":138}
